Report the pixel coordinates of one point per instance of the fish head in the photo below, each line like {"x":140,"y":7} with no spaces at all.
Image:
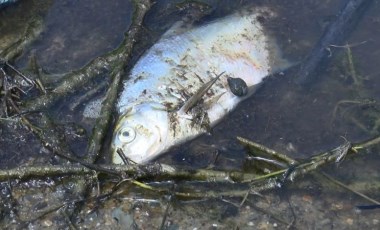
{"x":141,"y":133}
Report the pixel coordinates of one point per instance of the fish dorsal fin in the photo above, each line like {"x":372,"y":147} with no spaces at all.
{"x":193,"y":100}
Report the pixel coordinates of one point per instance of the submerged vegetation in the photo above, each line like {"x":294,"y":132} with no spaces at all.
{"x":74,"y":186}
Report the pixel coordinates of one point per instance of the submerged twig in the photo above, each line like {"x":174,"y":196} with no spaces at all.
{"x":351,"y":66}
{"x":135,"y":171}
{"x":337,"y":155}
{"x":88,"y":94}
{"x":358,"y":102}
{"x":140,"y":172}
{"x":32,"y":31}
{"x":366,"y":144}
{"x":351,"y":190}
{"x":11,"y":89}
{"x":119,"y":65}
{"x":270,"y":152}
{"x":334,"y":34}
{"x":113,"y":62}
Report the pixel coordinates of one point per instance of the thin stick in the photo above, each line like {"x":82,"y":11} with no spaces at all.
{"x":270,"y":152}
{"x":105,"y":118}
{"x":348,"y":188}
{"x":338,"y":30}
{"x":351,"y":66}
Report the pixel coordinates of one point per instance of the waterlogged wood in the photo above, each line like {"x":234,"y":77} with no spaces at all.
{"x":111,"y":62}
{"x":24,"y":172}
{"x":269,"y":152}
{"x":366,"y":144}
{"x":120,"y":60}
{"x":334,"y":34}
{"x":70,"y":83}
{"x":337,"y":155}
{"x":114,"y":63}
{"x":350,"y":189}
{"x":29,"y":33}
{"x":143,"y":172}
{"x":313,"y":163}
{"x":140,"y":172}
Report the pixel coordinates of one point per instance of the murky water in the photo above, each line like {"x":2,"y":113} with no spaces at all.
{"x":299,"y":123}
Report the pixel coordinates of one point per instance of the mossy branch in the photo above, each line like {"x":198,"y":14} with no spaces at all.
{"x":148,"y":172}
{"x":113,"y":62}
{"x":119,"y":59}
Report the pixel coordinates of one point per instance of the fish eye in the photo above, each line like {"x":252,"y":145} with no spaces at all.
{"x":127,"y":134}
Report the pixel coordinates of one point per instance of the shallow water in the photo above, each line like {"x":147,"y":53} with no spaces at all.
{"x":298,"y":123}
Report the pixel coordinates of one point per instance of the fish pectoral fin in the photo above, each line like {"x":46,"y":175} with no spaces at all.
{"x":193,"y":100}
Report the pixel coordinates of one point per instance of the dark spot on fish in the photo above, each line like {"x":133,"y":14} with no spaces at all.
{"x":199,"y":78}
{"x":261,"y":19}
{"x":144,"y":91}
{"x":183,"y":77}
{"x":184,"y":94}
{"x":244,"y":36}
{"x":173,"y":123}
{"x":249,"y":11}
{"x":237,"y":86}
{"x":169,"y":105}
{"x":138,"y":78}
{"x":158,"y":52}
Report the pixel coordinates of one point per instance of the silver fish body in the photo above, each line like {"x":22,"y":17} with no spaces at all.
{"x":171,"y":71}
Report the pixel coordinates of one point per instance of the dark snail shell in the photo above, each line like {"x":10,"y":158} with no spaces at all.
{"x":237,"y":86}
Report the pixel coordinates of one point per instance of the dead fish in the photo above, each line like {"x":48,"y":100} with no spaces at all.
{"x":179,"y":87}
